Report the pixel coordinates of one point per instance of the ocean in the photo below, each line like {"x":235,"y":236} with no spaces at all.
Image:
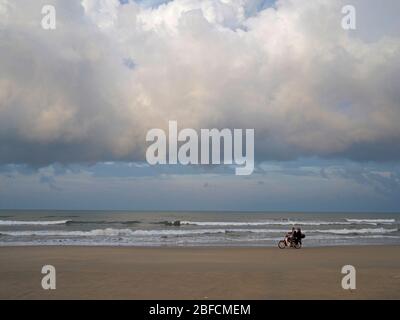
{"x":122,"y":228}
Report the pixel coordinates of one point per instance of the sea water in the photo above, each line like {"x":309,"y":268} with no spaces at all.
{"x":123,"y":228}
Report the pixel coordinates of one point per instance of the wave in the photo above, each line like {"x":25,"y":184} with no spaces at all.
{"x":372,"y":221}
{"x":325,"y":231}
{"x":340,"y":237}
{"x":264,"y":223}
{"x":31,"y":223}
{"x":57,"y":222}
{"x":58,"y":216}
{"x":110,"y":232}
{"x":357,"y":231}
{"x":283,"y":222}
{"x":179,"y":232}
{"x":176,"y":223}
{"x":320,"y":237}
{"x":128,"y":222}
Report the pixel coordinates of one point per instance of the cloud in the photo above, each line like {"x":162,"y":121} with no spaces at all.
{"x":89,"y":91}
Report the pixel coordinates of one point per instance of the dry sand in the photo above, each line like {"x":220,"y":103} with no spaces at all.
{"x":200,"y":273}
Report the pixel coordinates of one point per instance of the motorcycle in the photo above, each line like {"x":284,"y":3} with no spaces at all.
{"x":291,"y":243}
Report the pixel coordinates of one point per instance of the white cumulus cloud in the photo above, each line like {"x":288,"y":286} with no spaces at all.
{"x":91,"y":89}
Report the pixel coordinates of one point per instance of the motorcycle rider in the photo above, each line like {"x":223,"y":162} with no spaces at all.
{"x":297,"y":235}
{"x":289,"y":236}
{"x":292,"y":239}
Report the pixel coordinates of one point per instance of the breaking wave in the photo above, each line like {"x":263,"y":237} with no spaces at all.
{"x":77,"y":222}
{"x":110,"y":232}
{"x":178,"y":232}
{"x":265,"y":223}
{"x":31,"y":223}
{"x":372,"y":221}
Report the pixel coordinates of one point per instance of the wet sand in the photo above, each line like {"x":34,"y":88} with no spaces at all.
{"x":200,"y":273}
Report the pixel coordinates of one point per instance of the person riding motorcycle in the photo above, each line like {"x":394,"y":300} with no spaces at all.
{"x":289,"y":236}
{"x":292,"y":239}
{"x":295,"y":235}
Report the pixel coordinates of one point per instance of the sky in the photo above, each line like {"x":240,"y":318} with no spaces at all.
{"x":76,"y":103}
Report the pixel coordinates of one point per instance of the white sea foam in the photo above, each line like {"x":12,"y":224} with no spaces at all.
{"x":326,"y":231}
{"x":316,"y":240}
{"x":110,"y":232}
{"x":228,"y":223}
{"x":265,"y":223}
{"x":375,"y":221}
{"x":357,"y":231}
{"x":290,"y":222}
{"x":344,"y":236}
{"x":31,"y":223}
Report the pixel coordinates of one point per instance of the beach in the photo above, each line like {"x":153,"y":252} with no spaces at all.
{"x":199,"y":272}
